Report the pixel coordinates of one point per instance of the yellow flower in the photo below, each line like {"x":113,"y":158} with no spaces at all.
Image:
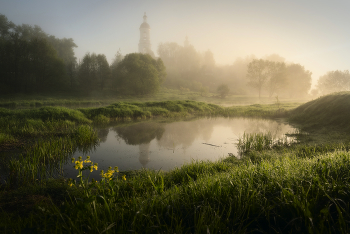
{"x":87,"y":157}
{"x":124,"y":177}
{"x":91,"y":168}
{"x":70,"y":182}
{"x":116,"y":169}
{"x":80,"y":158}
{"x":76,"y":167}
{"x":73,"y":160}
{"x":102,"y":173}
{"x":95,"y":166}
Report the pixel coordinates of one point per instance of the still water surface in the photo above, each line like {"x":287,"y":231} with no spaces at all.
{"x":164,"y":145}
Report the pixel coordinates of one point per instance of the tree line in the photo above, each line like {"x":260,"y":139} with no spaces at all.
{"x":192,"y":70}
{"x":32,"y":61}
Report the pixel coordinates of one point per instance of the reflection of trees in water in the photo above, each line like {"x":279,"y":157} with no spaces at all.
{"x":140,"y":133}
{"x":184,"y":133}
{"x":102,"y":134}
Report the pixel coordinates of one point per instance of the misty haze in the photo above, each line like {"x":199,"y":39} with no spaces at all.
{"x":174,"y":116}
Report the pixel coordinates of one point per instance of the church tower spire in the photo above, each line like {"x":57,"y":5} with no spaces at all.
{"x":145,"y":41}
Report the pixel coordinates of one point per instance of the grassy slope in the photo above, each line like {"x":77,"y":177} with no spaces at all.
{"x":331,"y":110}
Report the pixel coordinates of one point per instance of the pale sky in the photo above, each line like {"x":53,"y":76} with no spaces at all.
{"x":313,"y":33}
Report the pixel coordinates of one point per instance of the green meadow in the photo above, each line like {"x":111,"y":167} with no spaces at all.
{"x":276,"y":186}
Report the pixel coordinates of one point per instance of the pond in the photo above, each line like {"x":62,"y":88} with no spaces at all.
{"x":166,"y":145}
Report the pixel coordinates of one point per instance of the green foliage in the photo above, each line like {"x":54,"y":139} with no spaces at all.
{"x":263,"y":72}
{"x":46,"y":113}
{"x":223,"y":90}
{"x":138,"y":74}
{"x":101,"y":119}
{"x":94,"y":72}
{"x":298,"y":80}
{"x":31,"y":60}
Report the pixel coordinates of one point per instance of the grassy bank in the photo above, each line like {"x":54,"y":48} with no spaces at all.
{"x":277,"y":187}
{"x":279,"y":194}
{"x":101,"y":99}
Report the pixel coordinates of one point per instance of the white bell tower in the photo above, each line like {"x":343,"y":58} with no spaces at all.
{"x":145,"y":41}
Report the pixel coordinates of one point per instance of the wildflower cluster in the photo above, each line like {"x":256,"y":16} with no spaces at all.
{"x":79,"y":164}
{"x":109,"y":174}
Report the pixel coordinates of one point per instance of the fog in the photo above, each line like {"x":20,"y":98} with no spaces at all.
{"x":310,"y":33}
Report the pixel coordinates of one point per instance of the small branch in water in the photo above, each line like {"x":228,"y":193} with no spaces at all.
{"x":211,"y":145}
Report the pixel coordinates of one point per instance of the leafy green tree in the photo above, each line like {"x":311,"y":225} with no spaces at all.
{"x":30,"y":66}
{"x":299,"y":80}
{"x":139,"y":74}
{"x":6,"y":27}
{"x":31,"y":60}
{"x":93,"y":72}
{"x":117,"y":59}
{"x":46,"y":69}
{"x":169,"y":53}
{"x":223,"y":90}
{"x":103,"y":70}
{"x":264,"y":73}
{"x":334,"y":81}
{"x":258,"y":73}
{"x":277,"y":78}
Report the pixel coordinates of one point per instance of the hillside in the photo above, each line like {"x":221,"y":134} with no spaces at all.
{"x":332,"y":110}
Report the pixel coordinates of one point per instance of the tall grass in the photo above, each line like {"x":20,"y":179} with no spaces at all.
{"x":45,"y":158}
{"x":261,"y":141}
{"x":286,"y":195}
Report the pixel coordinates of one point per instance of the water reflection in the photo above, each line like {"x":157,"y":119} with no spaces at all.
{"x":141,"y":134}
{"x":158,"y":145}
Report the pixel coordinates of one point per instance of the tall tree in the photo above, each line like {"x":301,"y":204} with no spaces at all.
{"x":103,"y":70}
{"x":139,"y":74}
{"x":169,"y":53}
{"x":299,"y":80}
{"x":334,"y":81}
{"x":31,"y":60}
{"x":277,"y":78}
{"x":117,"y":59}
{"x":258,"y":74}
